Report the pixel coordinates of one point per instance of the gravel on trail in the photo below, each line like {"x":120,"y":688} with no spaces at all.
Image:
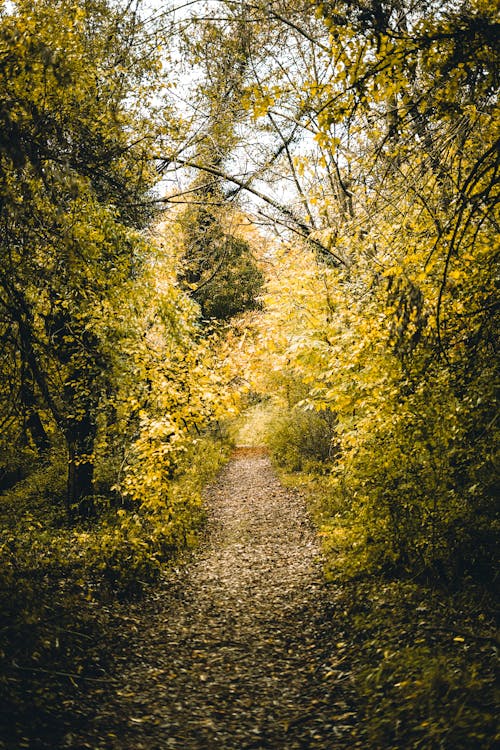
{"x":236,"y":650}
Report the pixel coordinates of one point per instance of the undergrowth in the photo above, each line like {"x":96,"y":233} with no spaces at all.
{"x":251,"y":426}
{"x":420,"y":654}
{"x":58,"y":582}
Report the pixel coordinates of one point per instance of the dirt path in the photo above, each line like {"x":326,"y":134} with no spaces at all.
{"x":237,"y":651}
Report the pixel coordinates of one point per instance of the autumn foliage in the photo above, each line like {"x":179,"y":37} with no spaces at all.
{"x":391,"y":325}
{"x":310,"y":224}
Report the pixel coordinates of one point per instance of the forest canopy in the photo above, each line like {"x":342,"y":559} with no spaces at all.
{"x":365,"y":135}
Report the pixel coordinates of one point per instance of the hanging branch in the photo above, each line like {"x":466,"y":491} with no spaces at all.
{"x":305,"y":229}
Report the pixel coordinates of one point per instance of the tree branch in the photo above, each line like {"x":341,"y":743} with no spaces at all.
{"x":305,"y":230}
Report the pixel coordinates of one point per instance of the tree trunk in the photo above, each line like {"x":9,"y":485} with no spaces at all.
{"x":80,"y":436}
{"x":37,"y":432}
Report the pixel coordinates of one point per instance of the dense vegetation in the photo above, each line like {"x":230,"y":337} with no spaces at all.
{"x":388,"y":326}
{"x":343,"y":153}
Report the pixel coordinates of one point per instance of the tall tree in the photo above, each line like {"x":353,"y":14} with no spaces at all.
{"x":218,"y":268}
{"x":75,"y":155}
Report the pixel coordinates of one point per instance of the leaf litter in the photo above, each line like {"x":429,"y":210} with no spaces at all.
{"x":237,"y":647}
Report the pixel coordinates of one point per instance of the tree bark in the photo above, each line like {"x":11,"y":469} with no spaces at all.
{"x":80,"y":436}
{"x":33,"y":424}
{"x":38,"y":433}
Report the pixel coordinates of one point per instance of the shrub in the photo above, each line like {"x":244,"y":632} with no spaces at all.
{"x":300,"y":439}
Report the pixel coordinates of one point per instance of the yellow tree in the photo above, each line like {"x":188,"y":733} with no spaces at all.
{"x":74,"y":171}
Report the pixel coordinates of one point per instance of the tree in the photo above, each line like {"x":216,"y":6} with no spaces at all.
{"x":217,"y":267}
{"x":74,"y":170}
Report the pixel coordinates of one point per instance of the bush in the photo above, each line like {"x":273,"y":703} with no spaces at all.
{"x":301,"y":440}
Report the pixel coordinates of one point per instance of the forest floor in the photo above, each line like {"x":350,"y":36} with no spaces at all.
{"x":244,"y":645}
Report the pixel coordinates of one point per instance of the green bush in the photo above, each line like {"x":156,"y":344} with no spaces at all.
{"x":117,"y":552}
{"x":301,"y":440}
